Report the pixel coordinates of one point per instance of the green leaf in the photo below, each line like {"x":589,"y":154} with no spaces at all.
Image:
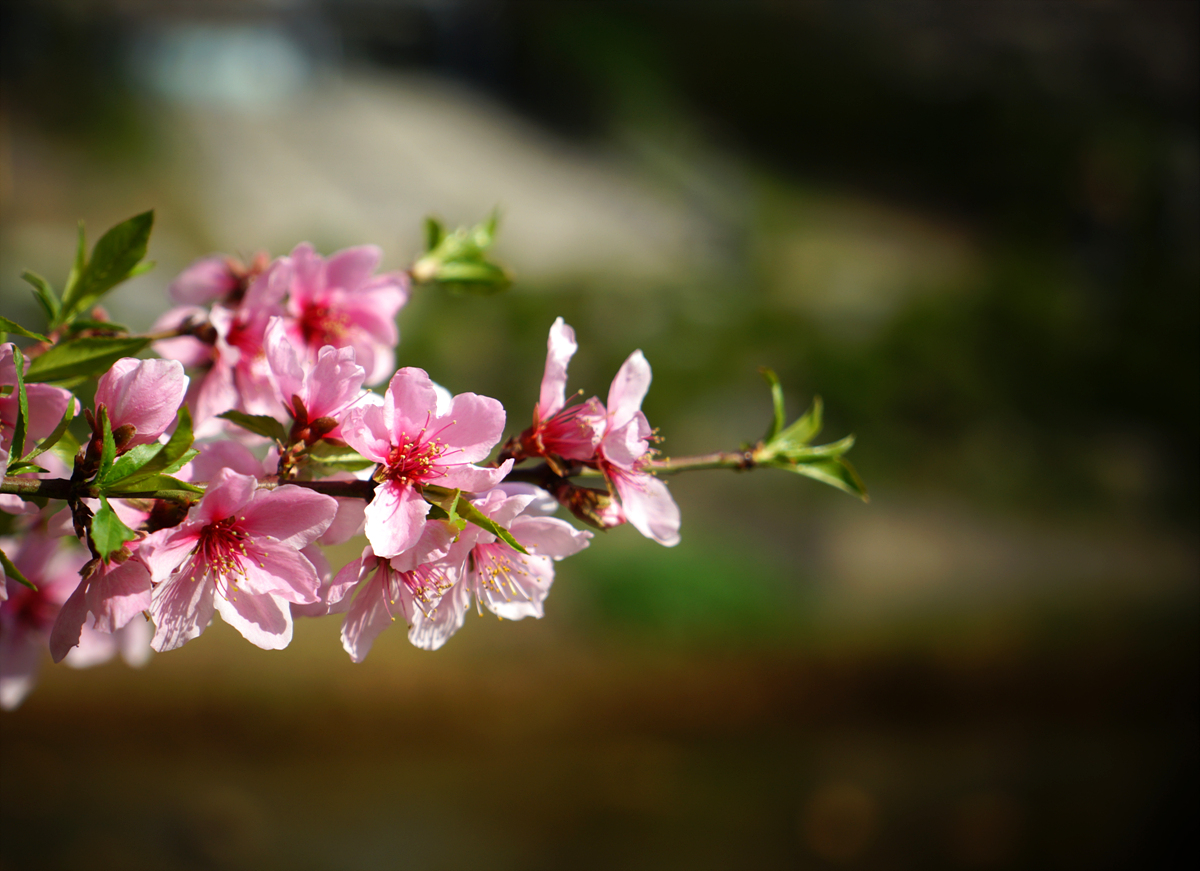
{"x":76,"y":274}
{"x":85,"y":356}
{"x":456,"y":507}
{"x":54,"y":437}
{"x":338,"y":457}
{"x":474,"y":277}
{"x":780,"y":417}
{"x":13,"y":572}
{"x":108,"y":447}
{"x":106,"y":326}
{"x":834,"y":471}
{"x":446,"y":502}
{"x":23,"y":467}
{"x":806,"y":428}
{"x":14,"y":327}
{"x":259,"y":424}
{"x":44,"y":294}
{"x":109,"y":534}
{"x":113,"y":260}
{"x":22,"y":423}
{"x":804,"y":453}
{"x":434,"y":233}
{"x":160,"y":486}
{"x":128,"y":463}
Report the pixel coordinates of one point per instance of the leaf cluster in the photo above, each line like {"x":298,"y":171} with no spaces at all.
{"x":458,"y":260}
{"x":791,"y":448}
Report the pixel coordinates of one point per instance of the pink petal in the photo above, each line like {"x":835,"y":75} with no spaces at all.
{"x":294,"y":516}
{"x":116,"y":594}
{"x":367,"y":431}
{"x":69,"y":624}
{"x":144,"y":394}
{"x":560,"y":348}
{"x":350,"y":269}
{"x":395,"y":519}
{"x":226,"y":495}
{"x":525,"y":588}
{"x":182,"y":608}
{"x":284,"y":361}
{"x":548,"y":536}
{"x":207,"y":279}
{"x":164,"y":551}
{"x":474,"y":479}
{"x":628,"y":389}
{"x":373,"y":611}
{"x":476,"y":424}
{"x":275,"y":570}
{"x":649,"y":507}
{"x":262,"y":620}
{"x":429,"y":632}
{"x":409,"y":403}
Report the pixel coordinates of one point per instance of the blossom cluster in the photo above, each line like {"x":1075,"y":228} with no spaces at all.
{"x":210,"y":478}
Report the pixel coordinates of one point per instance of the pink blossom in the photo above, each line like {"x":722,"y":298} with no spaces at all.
{"x":571,"y":432}
{"x":412,"y":585}
{"x":27,"y":616}
{"x":510,"y":584}
{"x":207,"y":280}
{"x":340,"y":302}
{"x":142,"y":394}
{"x":625,"y":453}
{"x":317,"y":389}
{"x":416,"y":445}
{"x":238,"y":551}
{"x":113,"y":592}
{"x":131,"y":642}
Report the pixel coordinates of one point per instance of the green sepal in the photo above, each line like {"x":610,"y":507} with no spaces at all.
{"x":59,"y":431}
{"x":834,"y":471}
{"x":14,"y":327}
{"x":259,"y":424}
{"x":13,"y":572}
{"x":21,"y":427}
{"x":83,"y":357}
{"x":458,"y":508}
{"x":44,"y":293}
{"x":780,"y":416}
{"x":114,"y":259}
{"x":109,"y":534}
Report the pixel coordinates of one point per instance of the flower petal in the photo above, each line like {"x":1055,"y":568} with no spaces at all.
{"x":560,"y":348}
{"x":628,"y":389}
{"x":182,"y":608}
{"x":395,"y":519}
{"x":294,"y":516}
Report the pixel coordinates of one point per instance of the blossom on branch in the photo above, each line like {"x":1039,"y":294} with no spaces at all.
{"x":142,"y":398}
{"x":415,"y":443}
{"x":238,"y":551}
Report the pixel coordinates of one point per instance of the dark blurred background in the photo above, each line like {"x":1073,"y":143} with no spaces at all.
{"x":972,"y":228}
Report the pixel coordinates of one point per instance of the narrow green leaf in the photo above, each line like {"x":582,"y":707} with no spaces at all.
{"x":82,"y":357}
{"x":836,"y":472}
{"x":113,"y":259}
{"x":804,"y":454}
{"x":23,"y":467}
{"x":108,"y":447}
{"x":109,"y":534}
{"x":780,"y":417}
{"x":338,"y":457}
{"x":13,"y":572}
{"x":21,"y":427}
{"x":14,"y":327}
{"x":54,"y":437}
{"x":477,"y":276}
{"x":468,"y":511}
{"x":806,"y":428}
{"x":259,"y":424}
{"x":128,"y":463}
{"x":161,"y":486}
{"x":434,"y":233}
{"x":445,"y":505}
{"x":105,"y":326}
{"x":71,"y":288}
{"x":44,"y":294}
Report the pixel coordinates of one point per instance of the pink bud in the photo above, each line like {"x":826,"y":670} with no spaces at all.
{"x":144,"y":394}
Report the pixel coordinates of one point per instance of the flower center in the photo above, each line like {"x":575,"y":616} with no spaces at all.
{"x":222,"y":546}
{"x":412,"y":461}
{"x":321,"y":325}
